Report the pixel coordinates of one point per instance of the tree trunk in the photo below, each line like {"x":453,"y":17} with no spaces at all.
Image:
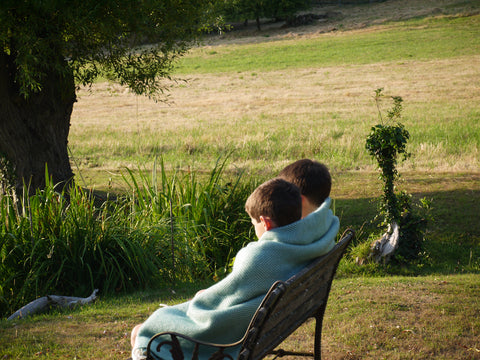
{"x":34,"y":130}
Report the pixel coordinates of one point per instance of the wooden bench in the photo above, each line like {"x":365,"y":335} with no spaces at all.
{"x":287,"y":305}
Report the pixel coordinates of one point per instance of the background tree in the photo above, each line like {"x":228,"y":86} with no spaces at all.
{"x":47,"y":47}
{"x":239,"y":10}
{"x":243,"y":10}
{"x":286,"y":9}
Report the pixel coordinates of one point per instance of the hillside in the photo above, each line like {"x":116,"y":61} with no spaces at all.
{"x":348,"y":17}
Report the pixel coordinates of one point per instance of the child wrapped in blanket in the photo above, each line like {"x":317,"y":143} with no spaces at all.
{"x":286,"y":243}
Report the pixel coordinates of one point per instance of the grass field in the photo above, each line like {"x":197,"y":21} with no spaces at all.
{"x":299,"y":96}
{"x":431,"y":317}
{"x":268,"y":98}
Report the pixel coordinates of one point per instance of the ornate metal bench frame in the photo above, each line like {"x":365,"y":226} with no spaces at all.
{"x":287,"y":305}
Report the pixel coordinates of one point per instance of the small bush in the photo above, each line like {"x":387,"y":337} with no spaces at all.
{"x":386,"y":143}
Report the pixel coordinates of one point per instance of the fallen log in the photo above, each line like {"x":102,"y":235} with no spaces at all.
{"x":45,"y":303}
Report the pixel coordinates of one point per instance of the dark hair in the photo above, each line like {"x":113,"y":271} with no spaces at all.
{"x":277,"y":199}
{"x":311,"y":177}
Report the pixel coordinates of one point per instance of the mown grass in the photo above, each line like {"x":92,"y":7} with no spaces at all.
{"x":421,"y":39}
{"x":267,"y":120}
{"x":309,"y":96}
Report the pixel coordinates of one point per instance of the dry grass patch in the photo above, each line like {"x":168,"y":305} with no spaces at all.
{"x":268,"y":118}
{"x":281,"y":115}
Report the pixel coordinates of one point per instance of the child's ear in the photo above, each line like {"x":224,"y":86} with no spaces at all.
{"x":267,"y":223}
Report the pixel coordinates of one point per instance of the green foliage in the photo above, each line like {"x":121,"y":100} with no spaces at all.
{"x":48,"y":245}
{"x":288,"y":8}
{"x":207,"y":215}
{"x":385,"y":143}
{"x":163,"y":230}
{"x":239,"y":10}
{"x":46,"y":47}
{"x":90,"y":38}
{"x":413,"y":227}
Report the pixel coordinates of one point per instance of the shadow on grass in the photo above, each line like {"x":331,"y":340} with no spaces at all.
{"x":452,"y":243}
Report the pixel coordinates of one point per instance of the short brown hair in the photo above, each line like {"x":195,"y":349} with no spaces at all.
{"x":277,"y":199}
{"x":312,"y":178}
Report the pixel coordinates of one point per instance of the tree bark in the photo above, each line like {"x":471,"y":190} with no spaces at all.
{"x":34,"y":130}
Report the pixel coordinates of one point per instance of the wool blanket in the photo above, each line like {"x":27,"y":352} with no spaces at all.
{"x":222,"y":313}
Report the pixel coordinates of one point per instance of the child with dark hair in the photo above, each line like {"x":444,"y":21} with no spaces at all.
{"x":274,"y":203}
{"x":313,"y":179}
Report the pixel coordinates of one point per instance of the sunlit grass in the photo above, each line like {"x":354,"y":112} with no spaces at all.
{"x":307,"y":96}
{"x":271,"y":102}
{"x":276,"y":117}
{"x":423,"y":39}
{"x":366,"y":318}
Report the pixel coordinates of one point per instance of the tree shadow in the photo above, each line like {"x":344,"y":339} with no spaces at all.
{"x":452,"y":243}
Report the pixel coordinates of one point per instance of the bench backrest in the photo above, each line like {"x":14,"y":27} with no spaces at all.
{"x":289,"y":304}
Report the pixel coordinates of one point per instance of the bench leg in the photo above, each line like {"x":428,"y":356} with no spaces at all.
{"x":318,"y":336}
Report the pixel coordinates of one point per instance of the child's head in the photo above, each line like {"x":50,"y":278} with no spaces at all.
{"x":312,"y":178}
{"x":275,"y":203}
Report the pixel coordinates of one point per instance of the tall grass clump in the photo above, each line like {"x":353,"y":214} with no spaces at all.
{"x":163,"y":229}
{"x":49,"y":244}
{"x":207,"y":220}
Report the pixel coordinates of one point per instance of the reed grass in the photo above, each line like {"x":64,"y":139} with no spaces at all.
{"x":159,"y":232}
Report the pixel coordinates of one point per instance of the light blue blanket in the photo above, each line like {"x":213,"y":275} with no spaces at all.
{"x":222,"y":312}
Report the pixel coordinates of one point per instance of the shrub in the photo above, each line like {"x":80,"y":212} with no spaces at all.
{"x":385,"y":143}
